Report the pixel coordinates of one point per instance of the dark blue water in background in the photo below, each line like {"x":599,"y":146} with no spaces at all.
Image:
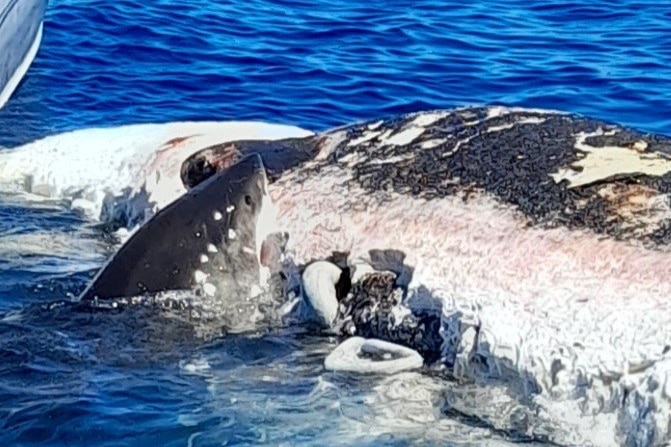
{"x":97,"y":380}
{"x":324,"y":64}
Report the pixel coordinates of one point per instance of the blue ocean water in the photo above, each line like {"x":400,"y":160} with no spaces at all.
{"x":80,"y":379}
{"x":322,"y":65}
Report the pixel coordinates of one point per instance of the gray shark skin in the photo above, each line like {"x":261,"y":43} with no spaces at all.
{"x":207,"y":238}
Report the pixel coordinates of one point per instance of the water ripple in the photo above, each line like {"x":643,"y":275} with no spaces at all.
{"x":107,"y":63}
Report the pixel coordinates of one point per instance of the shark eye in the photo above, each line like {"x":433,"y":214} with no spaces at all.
{"x":248,"y":200}
{"x":199,"y":171}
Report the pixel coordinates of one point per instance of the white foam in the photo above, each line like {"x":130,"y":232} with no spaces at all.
{"x":209,"y":289}
{"x":195,"y":366}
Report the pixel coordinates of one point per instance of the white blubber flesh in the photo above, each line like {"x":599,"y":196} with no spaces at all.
{"x":319,"y":280}
{"x":360,"y":355}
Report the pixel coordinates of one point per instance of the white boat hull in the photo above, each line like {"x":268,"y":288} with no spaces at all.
{"x":20,"y":37}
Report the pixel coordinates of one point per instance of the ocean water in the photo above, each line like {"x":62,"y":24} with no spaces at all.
{"x":73,"y":378}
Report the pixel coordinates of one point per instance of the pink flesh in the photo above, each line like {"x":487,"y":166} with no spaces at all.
{"x":270,"y":254}
{"x":585,"y":290}
{"x":480,"y":236}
